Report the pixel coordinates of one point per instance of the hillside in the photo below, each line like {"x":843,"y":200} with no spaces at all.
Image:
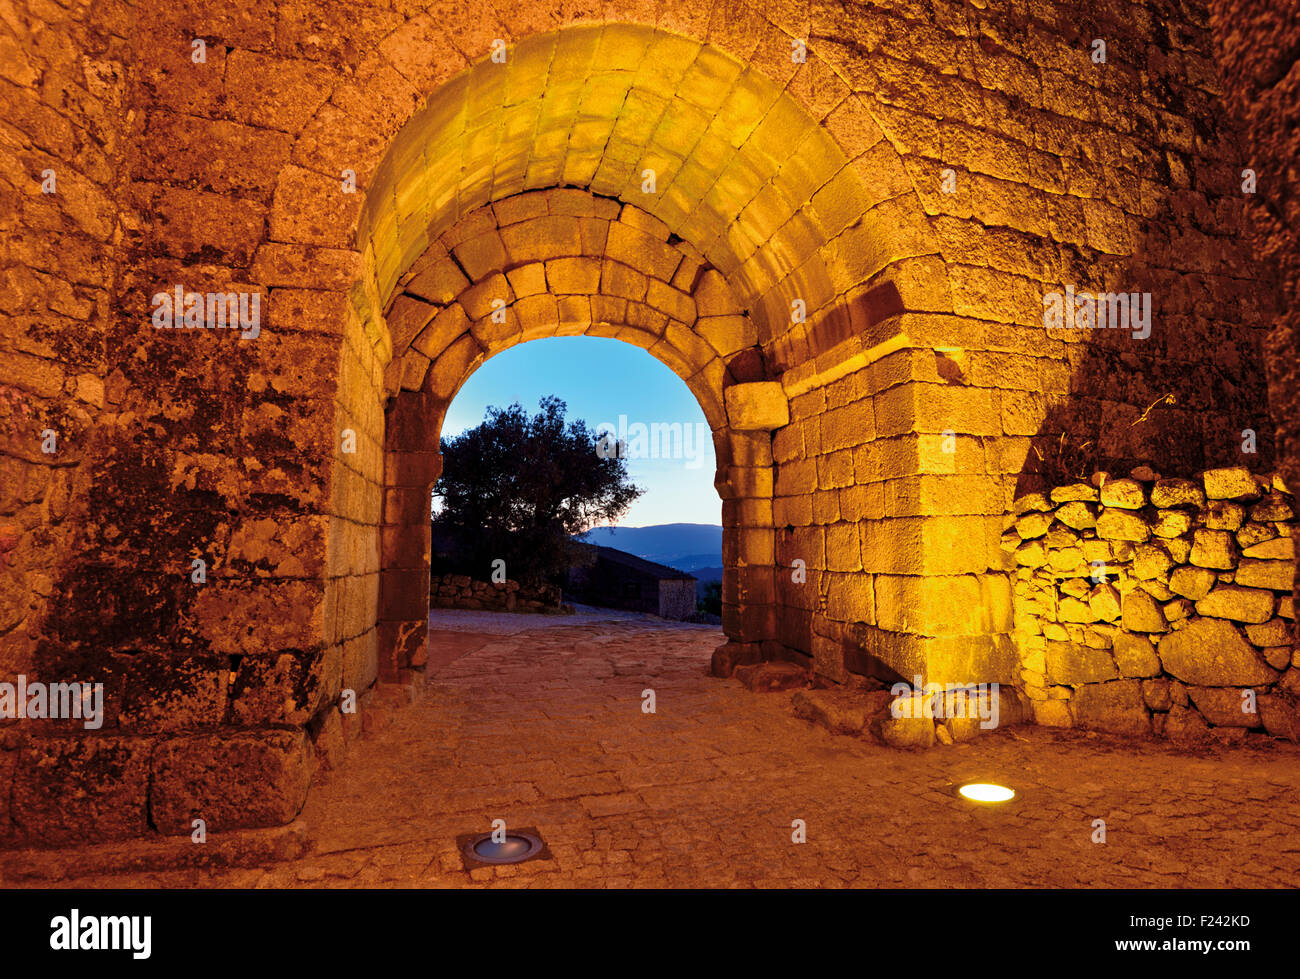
{"x":685,"y":546}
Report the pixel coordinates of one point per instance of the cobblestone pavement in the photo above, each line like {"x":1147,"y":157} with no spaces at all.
{"x":544,"y":727}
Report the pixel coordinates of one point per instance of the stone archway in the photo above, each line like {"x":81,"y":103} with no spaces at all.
{"x":698,"y":155}
{"x":566,"y":263}
{"x":327,"y":162}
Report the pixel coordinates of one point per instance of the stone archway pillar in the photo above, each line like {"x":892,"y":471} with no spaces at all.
{"x":749,"y":611}
{"x":412,"y":465}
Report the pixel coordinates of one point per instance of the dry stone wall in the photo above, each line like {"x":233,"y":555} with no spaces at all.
{"x":463,"y":592}
{"x":1146,"y":605}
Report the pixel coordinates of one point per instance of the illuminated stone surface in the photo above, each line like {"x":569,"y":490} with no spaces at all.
{"x":544,"y":728}
{"x":668,"y":177}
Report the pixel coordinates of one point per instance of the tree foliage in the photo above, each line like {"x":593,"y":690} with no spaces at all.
{"x":518,"y":488}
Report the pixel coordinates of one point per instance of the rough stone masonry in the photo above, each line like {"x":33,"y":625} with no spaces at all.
{"x":836,"y":221}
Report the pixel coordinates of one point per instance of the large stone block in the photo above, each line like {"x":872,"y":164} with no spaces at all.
{"x":1116,"y":707}
{"x":1122,"y":525}
{"x":1239,"y":604}
{"x":1184,"y":725}
{"x":231,"y":781}
{"x":80,"y":790}
{"x":1280,"y":716}
{"x":727,"y":657}
{"x":1177,"y":492}
{"x":1235,"y":483}
{"x":1226,"y":706}
{"x":1142,"y":614}
{"x":239,"y":618}
{"x":840,"y":711}
{"x":1070,"y":663}
{"x":1212,"y":652}
{"x":288,"y":688}
{"x":1193,"y":583}
{"x":170,"y":693}
{"x":1135,"y":656}
{"x":1213,"y":549}
{"x":1278,"y":575}
{"x":757,"y":405}
{"x":939,"y":605}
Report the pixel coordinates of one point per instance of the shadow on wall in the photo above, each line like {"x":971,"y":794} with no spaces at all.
{"x":1178,"y":381}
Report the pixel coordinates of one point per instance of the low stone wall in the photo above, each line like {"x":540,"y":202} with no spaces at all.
{"x":463,"y":592}
{"x":1158,"y":606}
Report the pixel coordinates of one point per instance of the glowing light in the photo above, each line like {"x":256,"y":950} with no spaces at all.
{"x":986,"y":792}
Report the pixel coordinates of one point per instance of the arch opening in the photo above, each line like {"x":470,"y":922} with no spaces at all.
{"x":607,"y":270}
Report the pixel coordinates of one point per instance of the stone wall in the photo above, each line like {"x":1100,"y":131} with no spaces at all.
{"x":677,"y":598}
{"x":1257,"y":60}
{"x":881,"y":217}
{"x":1158,"y":606}
{"x":463,"y":592}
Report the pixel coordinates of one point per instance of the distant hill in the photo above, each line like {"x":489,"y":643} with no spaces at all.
{"x":684,"y":546}
{"x":703,"y":576}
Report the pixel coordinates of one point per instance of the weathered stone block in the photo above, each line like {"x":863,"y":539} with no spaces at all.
{"x":1051,"y":713}
{"x":80,"y":790}
{"x":1077,"y":515}
{"x":1172,"y":523}
{"x":840,"y":711}
{"x":580,"y":275}
{"x":1277,"y":549}
{"x":1075,"y":491}
{"x":1213,"y":549}
{"x":1280,"y":716}
{"x":1239,"y":604}
{"x":1142,"y":614}
{"x":757,"y":405}
{"x":1226,"y":706}
{"x":771,"y":677}
{"x":1071,"y":663}
{"x":908,"y":723}
{"x":168,"y":693}
{"x":1222,"y":515}
{"x":231,"y":781}
{"x":1193,"y":583}
{"x":1233,"y":483}
{"x":1135,"y":656}
{"x":1126,"y":494}
{"x":1278,"y":575}
{"x":1116,"y":707}
{"x":730,"y":655}
{"x":1177,"y":492}
{"x":1185,"y":726}
{"x":1155,"y":694}
{"x":289,"y":688}
{"x":1213,"y":652}
{"x":1275,"y":507}
{"x":1122,"y":525}
{"x":1033,"y":525}
{"x":1274,"y":632}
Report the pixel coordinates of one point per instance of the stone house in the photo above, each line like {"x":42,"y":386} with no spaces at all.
{"x":616,"y":579}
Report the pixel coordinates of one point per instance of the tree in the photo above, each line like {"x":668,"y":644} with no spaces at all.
{"x":710,"y":603}
{"x":517,"y":489}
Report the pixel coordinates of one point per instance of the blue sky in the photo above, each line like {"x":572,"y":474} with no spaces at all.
{"x":600,"y":380}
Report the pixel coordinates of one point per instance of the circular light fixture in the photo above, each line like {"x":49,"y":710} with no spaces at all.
{"x":986,"y":792}
{"x":515,"y":848}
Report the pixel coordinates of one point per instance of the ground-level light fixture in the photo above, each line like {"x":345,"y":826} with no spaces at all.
{"x":986,"y":792}
{"x":514,"y":846}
